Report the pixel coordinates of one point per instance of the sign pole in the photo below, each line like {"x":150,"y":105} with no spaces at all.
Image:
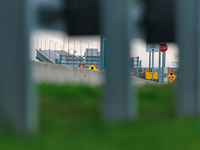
{"x":149,"y":61}
{"x":159,"y":70}
{"x":163,"y":66}
{"x":152,"y":64}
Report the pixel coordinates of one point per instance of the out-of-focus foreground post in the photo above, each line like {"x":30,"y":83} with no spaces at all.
{"x":188,"y":32}
{"x":117,"y":26}
{"x":17,"y":105}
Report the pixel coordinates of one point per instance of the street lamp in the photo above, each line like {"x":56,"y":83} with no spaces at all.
{"x":74,"y":43}
{"x":49,"y":44}
{"x":80,"y":47}
{"x":45,"y":46}
{"x":88,"y":44}
{"x":45,"y":43}
{"x":55,"y":45}
{"x":68,"y":55}
{"x":49,"y":47}
{"x":41,"y":42}
{"x":38,"y":41}
{"x":74,"y":50}
{"x":63,"y":41}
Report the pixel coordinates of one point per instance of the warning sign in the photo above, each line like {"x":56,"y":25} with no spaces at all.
{"x":92,"y":67}
{"x":149,"y":75}
{"x":171,"y":76}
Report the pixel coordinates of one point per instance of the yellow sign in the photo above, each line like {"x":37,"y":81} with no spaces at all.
{"x":92,"y":67}
{"x":149,"y":75}
{"x":171,"y":76}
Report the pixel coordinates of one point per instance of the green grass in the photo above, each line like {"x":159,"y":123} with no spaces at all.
{"x":70,"y":118}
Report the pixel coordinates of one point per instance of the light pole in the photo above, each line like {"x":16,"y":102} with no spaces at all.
{"x":87,"y":52}
{"x":41,"y":41}
{"x":88,"y":44}
{"x":38,"y":41}
{"x":49,"y":48}
{"x":68,"y":45}
{"x":45,"y":43}
{"x":63,"y":41}
{"x":73,"y":51}
{"x":80,"y":47}
{"x":68,"y":50}
{"x":55,"y":45}
{"x":45,"y":46}
{"x":68,"y":55}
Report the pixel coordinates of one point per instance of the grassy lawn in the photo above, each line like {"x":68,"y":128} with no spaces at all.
{"x":70,"y":118}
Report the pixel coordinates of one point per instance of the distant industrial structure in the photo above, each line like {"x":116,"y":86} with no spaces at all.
{"x":91,"y":56}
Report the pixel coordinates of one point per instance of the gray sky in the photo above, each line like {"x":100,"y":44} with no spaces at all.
{"x":138,"y":46}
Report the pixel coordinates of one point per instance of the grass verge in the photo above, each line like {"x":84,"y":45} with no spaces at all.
{"x":70,"y":118}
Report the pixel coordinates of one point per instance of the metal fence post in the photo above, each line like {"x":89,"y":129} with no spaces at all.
{"x":17,"y":103}
{"x":188,"y":36}
{"x":118,"y":103}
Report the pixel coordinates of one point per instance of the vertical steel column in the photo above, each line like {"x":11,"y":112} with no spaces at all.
{"x":149,"y":61}
{"x":163,"y":66}
{"x":152,"y":64}
{"x":188,"y":98}
{"x":17,"y":103}
{"x":137,"y":66}
{"x":118,"y":103}
{"x":159,"y":70}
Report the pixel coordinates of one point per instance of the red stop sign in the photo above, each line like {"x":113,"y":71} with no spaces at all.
{"x":163,"y":47}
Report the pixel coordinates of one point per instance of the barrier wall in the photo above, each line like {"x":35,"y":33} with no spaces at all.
{"x":46,"y":72}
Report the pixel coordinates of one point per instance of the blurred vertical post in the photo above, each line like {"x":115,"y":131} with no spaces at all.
{"x":17,"y":103}
{"x":117,"y":26}
{"x":188,"y":32}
